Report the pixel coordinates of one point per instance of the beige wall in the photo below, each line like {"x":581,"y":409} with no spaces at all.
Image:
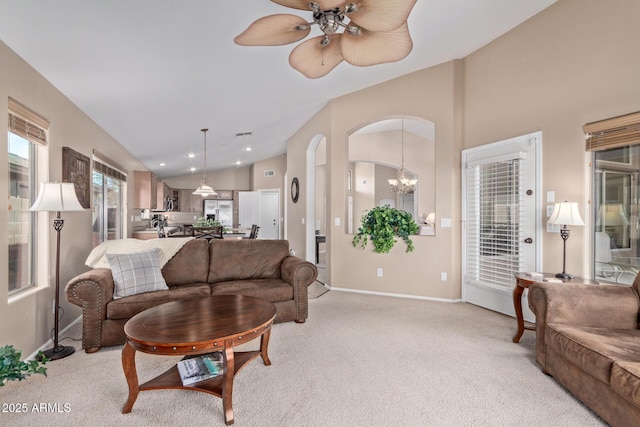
{"x":431,"y":95}
{"x":574,"y":63}
{"x":226,"y":179}
{"x":261,"y":182}
{"x":26,"y":322}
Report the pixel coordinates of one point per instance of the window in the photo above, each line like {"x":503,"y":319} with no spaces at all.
{"x":615,"y":143}
{"x":107,"y":213}
{"x":26,"y":136}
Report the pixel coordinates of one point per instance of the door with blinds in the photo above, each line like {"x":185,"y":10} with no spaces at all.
{"x":501,"y":206}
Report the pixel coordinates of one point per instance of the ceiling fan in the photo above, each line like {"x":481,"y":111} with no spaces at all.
{"x":375,"y":32}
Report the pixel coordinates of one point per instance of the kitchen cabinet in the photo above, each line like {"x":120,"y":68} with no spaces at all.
{"x":189,"y":202}
{"x":186,"y":202}
{"x":145,"y":191}
{"x":175,"y":195}
{"x":164,"y":192}
{"x":223,"y":195}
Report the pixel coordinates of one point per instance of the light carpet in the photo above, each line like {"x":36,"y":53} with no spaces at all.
{"x":359,"y":360}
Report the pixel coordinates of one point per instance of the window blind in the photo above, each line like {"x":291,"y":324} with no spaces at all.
{"x":494,"y":195}
{"x":108,"y":167}
{"x":613,"y":133}
{"x":108,"y":170}
{"x":26,"y":123}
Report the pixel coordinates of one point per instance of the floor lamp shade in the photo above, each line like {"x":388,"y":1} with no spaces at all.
{"x":564,"y":214}
{"x":57,"y":197}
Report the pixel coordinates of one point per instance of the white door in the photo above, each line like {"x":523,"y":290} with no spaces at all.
{"x":501,"y":205}
{"x":248,"y":209}
{"x":269,"y":214}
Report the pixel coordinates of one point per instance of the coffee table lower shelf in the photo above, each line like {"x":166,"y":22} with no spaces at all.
{"x":220,"y":386}
{"x":171,"y":378}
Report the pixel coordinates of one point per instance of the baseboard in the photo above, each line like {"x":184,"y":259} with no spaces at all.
{"x":49,"y":344}
{"x":389,"y":294}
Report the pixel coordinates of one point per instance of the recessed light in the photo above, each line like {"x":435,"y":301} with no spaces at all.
{"x":163,"y":164}
{"x":248,"y":149}
{"x":192,"y":169}
{"x":191,"y":155}
{"x":238,"y":162}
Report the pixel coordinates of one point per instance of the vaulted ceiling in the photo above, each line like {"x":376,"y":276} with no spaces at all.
{"x":152,"y":73}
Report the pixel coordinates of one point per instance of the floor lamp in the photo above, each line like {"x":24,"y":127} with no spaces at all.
{"x":565,"y":213}
{"x":57,"y":197}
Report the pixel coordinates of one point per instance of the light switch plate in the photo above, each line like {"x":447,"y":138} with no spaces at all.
{"x":445,"y":222}
{"x":336,"y":221}
{"x":551,"y":196}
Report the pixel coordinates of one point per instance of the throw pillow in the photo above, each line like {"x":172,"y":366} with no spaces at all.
{"x":134,"y":273}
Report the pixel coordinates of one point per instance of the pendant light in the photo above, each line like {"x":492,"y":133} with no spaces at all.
{"x":204,"y":189}
{"x":403,"y":184}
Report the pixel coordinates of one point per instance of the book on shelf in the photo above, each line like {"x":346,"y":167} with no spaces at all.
{"x":200,"y":368}
{"x":534,"y":275}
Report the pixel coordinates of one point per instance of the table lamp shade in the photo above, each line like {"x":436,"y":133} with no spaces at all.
{"x":56,"y":197}
{"x":566,"y":213}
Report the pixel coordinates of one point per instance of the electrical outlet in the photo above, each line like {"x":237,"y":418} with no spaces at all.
{"x":443,"y":276}
{"x":379,"y":272}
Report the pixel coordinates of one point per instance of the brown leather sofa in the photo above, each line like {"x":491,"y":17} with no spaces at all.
{"x":588,"y":339}
{"x":258,"y":268}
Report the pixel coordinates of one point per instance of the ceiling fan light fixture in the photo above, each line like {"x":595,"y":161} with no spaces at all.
{"x":350,"y":8}
{"x":354,"y":31}
{"x":377,"y":28}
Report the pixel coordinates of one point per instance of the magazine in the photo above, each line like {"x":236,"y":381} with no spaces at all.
{"x":201,"y":368}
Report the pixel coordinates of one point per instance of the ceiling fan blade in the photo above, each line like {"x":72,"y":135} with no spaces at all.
{"x":304,"y":4}
{"x":371,"y":48}
{"x":314,"y":60}
{"x":274,"y":30}
{"x":381,"y":15}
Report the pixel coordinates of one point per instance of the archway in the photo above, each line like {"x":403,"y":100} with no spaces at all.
{"x":315,"y":192}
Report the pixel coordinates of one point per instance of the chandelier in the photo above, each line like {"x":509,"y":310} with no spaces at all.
{"x":204,"y":189}
{"x":403,"y":184}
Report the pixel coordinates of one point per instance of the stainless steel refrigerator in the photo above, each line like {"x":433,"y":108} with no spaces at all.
{"x":221,"y":209}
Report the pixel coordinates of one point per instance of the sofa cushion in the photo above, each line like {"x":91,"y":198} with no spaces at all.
{"x":625,"y":380}
{"x":189,"y":265}
{"x":135,"y":273}
{"x":125,"y":308}
{"x":246,"y":259}
{"x":272,"y":290}
{"x":592,"y":349}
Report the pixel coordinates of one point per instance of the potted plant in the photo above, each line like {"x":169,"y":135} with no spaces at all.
{"x":382,"y":224}
{"x":12,"y":368}
{"x":206,"y":222}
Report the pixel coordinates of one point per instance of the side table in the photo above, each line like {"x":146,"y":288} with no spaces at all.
{"x":523,"y":281}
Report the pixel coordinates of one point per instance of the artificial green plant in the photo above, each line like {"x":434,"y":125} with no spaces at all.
{"x":382,"y":225}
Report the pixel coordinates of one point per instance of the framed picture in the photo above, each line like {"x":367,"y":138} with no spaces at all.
{"x":76,"y":169}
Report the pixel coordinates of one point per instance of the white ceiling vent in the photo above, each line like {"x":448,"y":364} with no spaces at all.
{"x":270,"y":173}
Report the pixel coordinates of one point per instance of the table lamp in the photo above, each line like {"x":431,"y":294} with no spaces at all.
{"x":57,"y":197}
{"x":564,"y":214}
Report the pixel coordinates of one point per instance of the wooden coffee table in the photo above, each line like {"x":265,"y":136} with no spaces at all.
{"x":193,"y":327}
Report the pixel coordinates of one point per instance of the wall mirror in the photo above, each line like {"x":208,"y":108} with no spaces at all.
{"x":375,"y":153}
